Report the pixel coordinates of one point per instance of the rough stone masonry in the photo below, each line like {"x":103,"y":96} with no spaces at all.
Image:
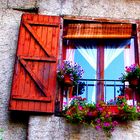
{"x":50,"y":127}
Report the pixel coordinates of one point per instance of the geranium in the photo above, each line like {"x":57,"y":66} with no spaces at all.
{"x":76,"y":111}
{"x":79,"y":111}
{"x":127,"y":112}
{"x":75,"y":71}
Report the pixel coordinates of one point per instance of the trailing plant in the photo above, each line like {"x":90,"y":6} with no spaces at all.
{"x":99,"y":115}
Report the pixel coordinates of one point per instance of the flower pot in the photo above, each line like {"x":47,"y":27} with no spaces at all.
{"x":67,"y":80}
{"x":113,"y":109}
{"x":134,"y":82}
{"x":128,"y":92}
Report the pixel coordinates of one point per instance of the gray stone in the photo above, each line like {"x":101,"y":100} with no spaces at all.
{"x":3,"y":4}
{"x":50,"y":7}
{"x":51,"y":127}
{"x":22,"y":3}
{"x":9,"y":25}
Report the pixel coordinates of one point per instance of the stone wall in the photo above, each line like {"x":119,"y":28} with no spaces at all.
{"x":94,"y":8}
{"x":56,"y":128}
{"x":51,"y":127}
{"x":13,"y":124}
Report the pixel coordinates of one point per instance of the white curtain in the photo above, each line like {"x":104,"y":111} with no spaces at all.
{"x":90,"y":55}
{"x":88,"y":50}
{"x":113,"y":50}
{"x":129,"y":54}
{"x":70,"y":52}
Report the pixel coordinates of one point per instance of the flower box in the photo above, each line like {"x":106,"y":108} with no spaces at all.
{"x":100,"y":115}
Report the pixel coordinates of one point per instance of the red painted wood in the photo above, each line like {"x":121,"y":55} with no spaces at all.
{"x":34,"y":80}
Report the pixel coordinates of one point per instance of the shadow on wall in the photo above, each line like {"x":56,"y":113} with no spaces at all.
{"x":18,"y":117}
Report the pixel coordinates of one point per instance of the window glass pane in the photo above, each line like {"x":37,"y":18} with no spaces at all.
{"x":114,"y":70}
{"x":89,"y":73}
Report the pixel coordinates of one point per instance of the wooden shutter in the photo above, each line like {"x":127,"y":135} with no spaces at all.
{"x":34,"y":80}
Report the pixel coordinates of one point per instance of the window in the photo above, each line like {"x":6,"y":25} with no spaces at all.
{"x":103,"y":50}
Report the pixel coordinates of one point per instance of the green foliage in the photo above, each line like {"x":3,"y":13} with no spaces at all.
{"x":99,"y":115}
{"x":127,"y":112}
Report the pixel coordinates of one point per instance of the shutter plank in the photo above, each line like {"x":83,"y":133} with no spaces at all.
{"x":32,"y":50}
{"x":39,"y":33}
{"x":44,"y":99}
{"x":36,"y":58}
{"x":41,"y":67}
{"x":21,"y":74}
{"x":49,"y":46}
{"x":42,"y":23}
{"x":44,"y":36}
{"x":26,"y":88}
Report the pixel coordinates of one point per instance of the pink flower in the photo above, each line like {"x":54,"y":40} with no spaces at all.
{"x":122,"y":104}
{"x":97,"y":127}
{"x":89,"y":113}
{"x":127,"y":69}
{"x":115,"y":123}
{"x":100,"y":109}
{"x":106,"y":124}
{"x":80,"y":107}
{"x":98,"y":120}
{"x":64,"y":103}
{"x":107,"y":115}
{"x":138,"y":108}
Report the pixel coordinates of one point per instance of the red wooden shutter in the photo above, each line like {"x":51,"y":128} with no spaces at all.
{"x":34,"y":80}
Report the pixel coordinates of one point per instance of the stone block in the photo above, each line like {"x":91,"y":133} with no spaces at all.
{"x":3,"y":4}
{"x":21,"y":3}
